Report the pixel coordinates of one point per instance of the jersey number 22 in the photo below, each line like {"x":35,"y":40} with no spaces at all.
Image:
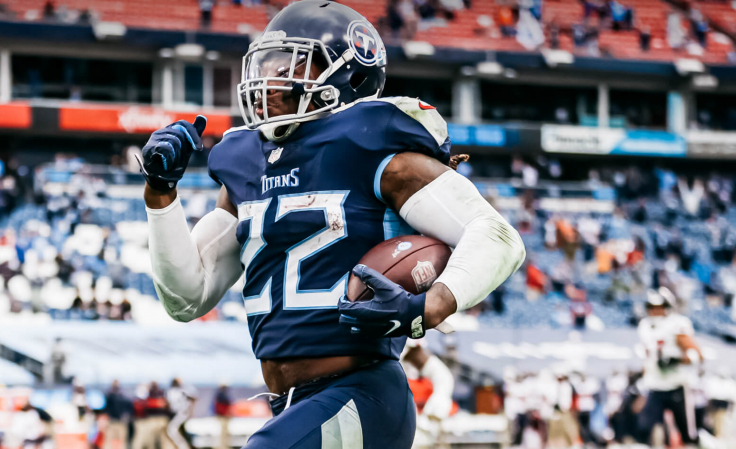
{"x":331,"y":203}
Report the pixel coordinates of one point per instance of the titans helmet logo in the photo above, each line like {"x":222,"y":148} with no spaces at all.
{"x":366,"y":43}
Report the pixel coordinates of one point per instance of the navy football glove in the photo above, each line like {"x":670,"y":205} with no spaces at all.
{"x":393,"y":312}
{"x":166,"y":155}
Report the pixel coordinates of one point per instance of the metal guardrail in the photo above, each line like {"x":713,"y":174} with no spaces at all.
{"x":30,"y":364}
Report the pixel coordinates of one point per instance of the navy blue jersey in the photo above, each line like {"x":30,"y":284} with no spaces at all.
{"x":309,"y":208}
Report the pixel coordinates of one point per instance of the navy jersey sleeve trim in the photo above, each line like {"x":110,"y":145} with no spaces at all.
{"x":379,"y":173}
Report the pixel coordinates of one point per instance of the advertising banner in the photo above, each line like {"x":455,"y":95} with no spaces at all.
{"x":477,"y":135}
{"x":711,"y":144}
{"x":133,"y":119}
{"x":15,"y":115}
{"x":584,"y":140}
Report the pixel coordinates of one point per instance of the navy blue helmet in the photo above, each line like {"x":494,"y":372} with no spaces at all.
{"x":341,"y":43}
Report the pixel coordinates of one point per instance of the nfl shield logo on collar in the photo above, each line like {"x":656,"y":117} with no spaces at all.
{"x":275,"y":155}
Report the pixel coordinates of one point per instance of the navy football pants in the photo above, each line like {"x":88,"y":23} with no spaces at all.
{"x":371,"y":408}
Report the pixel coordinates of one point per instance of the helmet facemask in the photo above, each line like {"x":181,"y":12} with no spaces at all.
{"x":282,"y":70}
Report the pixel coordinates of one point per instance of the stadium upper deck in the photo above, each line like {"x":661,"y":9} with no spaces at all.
{"x":570,"y":25}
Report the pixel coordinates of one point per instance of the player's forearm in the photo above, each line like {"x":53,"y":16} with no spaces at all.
{"x":158,"y":200}
{"x":487,"y":248}
{"x":440,"y":304}
{"x":183,"y":264}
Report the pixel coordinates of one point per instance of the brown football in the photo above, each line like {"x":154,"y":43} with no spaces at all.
{"x":412,"y":261}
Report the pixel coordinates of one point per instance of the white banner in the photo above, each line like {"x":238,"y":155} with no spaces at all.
{"x":711,"y":143}
{"x":588,"y":140}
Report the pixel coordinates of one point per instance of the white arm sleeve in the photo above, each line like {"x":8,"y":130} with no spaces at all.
{"x":192,"y":271}
{"x":487,"y":249}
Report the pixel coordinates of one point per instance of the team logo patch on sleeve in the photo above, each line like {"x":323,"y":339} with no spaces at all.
{"x":366,"y":43}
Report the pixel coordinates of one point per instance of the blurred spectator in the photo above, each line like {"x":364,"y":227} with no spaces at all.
{"x":85,"y":17}
{"x":590,"y":231}
{"x":554,"y":44}
{"x":181,"y":400}
{"x":426,"y":8}
{"x":5,"y":13}
{"x":645,"y":38}
{"x":449,"y":8}
{"x":529,"y":30}
{"x":118,"y":409}
{"x":529,"y":175}
{"x":79,"y":398}
{"x":579,"y":306}
{"x":720,"y":388}
{"x":205,"y":11}
{"x":505,"y":21}
{"x":49,"y":10}
{"x":676,"y":37}
{"x":622,"y":17}
{"x":587,"y":389}
{"x":58,"y":361}
{"x":394,"y":18}
{"x":152,"y":429}
{"x":497,"y":304}
{"x":222,"y":405}
{"x":140,"y":421}
{"x":563,"y":431}
{"x":698,"y":26}
{"x":28,"y":427}
{"x":536,"y":281}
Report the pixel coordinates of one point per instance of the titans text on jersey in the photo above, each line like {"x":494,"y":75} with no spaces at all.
{"x":290,"y":179}
{"x":309,"y":208}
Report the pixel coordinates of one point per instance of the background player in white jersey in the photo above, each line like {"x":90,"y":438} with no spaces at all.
{"x":419,"y":362}
{"x":671,"y":351}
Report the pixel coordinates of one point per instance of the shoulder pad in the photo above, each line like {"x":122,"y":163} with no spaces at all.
{"x":236,"y":128}
{"x":422,"y":112}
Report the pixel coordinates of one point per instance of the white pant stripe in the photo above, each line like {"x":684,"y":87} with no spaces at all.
{"x":343,"y":431}
{"x":690,"y":414}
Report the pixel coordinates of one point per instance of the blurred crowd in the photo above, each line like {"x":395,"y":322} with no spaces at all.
{"x":405,"y":17}
{"x":562,"y":407}
{"x":590,"y":269}
{"x":151,"y":417}
{"x":686,"y":26}
{"x":79,"y":254}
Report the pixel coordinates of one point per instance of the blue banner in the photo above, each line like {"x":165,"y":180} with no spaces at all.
{"x":477,"y":135}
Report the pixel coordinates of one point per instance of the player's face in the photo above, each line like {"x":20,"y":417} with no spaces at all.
{"x":277,"y":64}
{"x":656,"y":310}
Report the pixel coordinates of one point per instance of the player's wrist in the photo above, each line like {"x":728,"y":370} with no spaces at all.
{"x":439,"y":304}
{"x":158,"y":199}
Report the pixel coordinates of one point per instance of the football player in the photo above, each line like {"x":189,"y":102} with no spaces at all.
{"x":667,"y":338}
{"x":323,"y":170}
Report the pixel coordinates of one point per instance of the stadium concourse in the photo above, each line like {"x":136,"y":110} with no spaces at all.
{"x":602,"y":130}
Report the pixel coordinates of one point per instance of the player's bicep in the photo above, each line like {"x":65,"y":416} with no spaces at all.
{"x":406,"y":174}
{"x":223,"y":202}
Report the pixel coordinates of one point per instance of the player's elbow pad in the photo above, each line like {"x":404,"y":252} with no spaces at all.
{"x":192,"y":271}
{"x":487,"y":248}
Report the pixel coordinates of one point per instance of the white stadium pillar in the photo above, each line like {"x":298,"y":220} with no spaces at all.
{"x":208,"y":84}
{"x":167,"y":85}
{"x":603,"y":106}
{"x":466,"y":105}
{"x":680,"y":108}
{"x":6,"y":82}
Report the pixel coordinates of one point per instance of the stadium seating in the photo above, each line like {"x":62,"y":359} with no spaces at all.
{"x":462,"y":32}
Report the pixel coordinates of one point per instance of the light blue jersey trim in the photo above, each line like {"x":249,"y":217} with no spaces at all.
{"x":379,"y":173}
{"x":394,"y":226}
